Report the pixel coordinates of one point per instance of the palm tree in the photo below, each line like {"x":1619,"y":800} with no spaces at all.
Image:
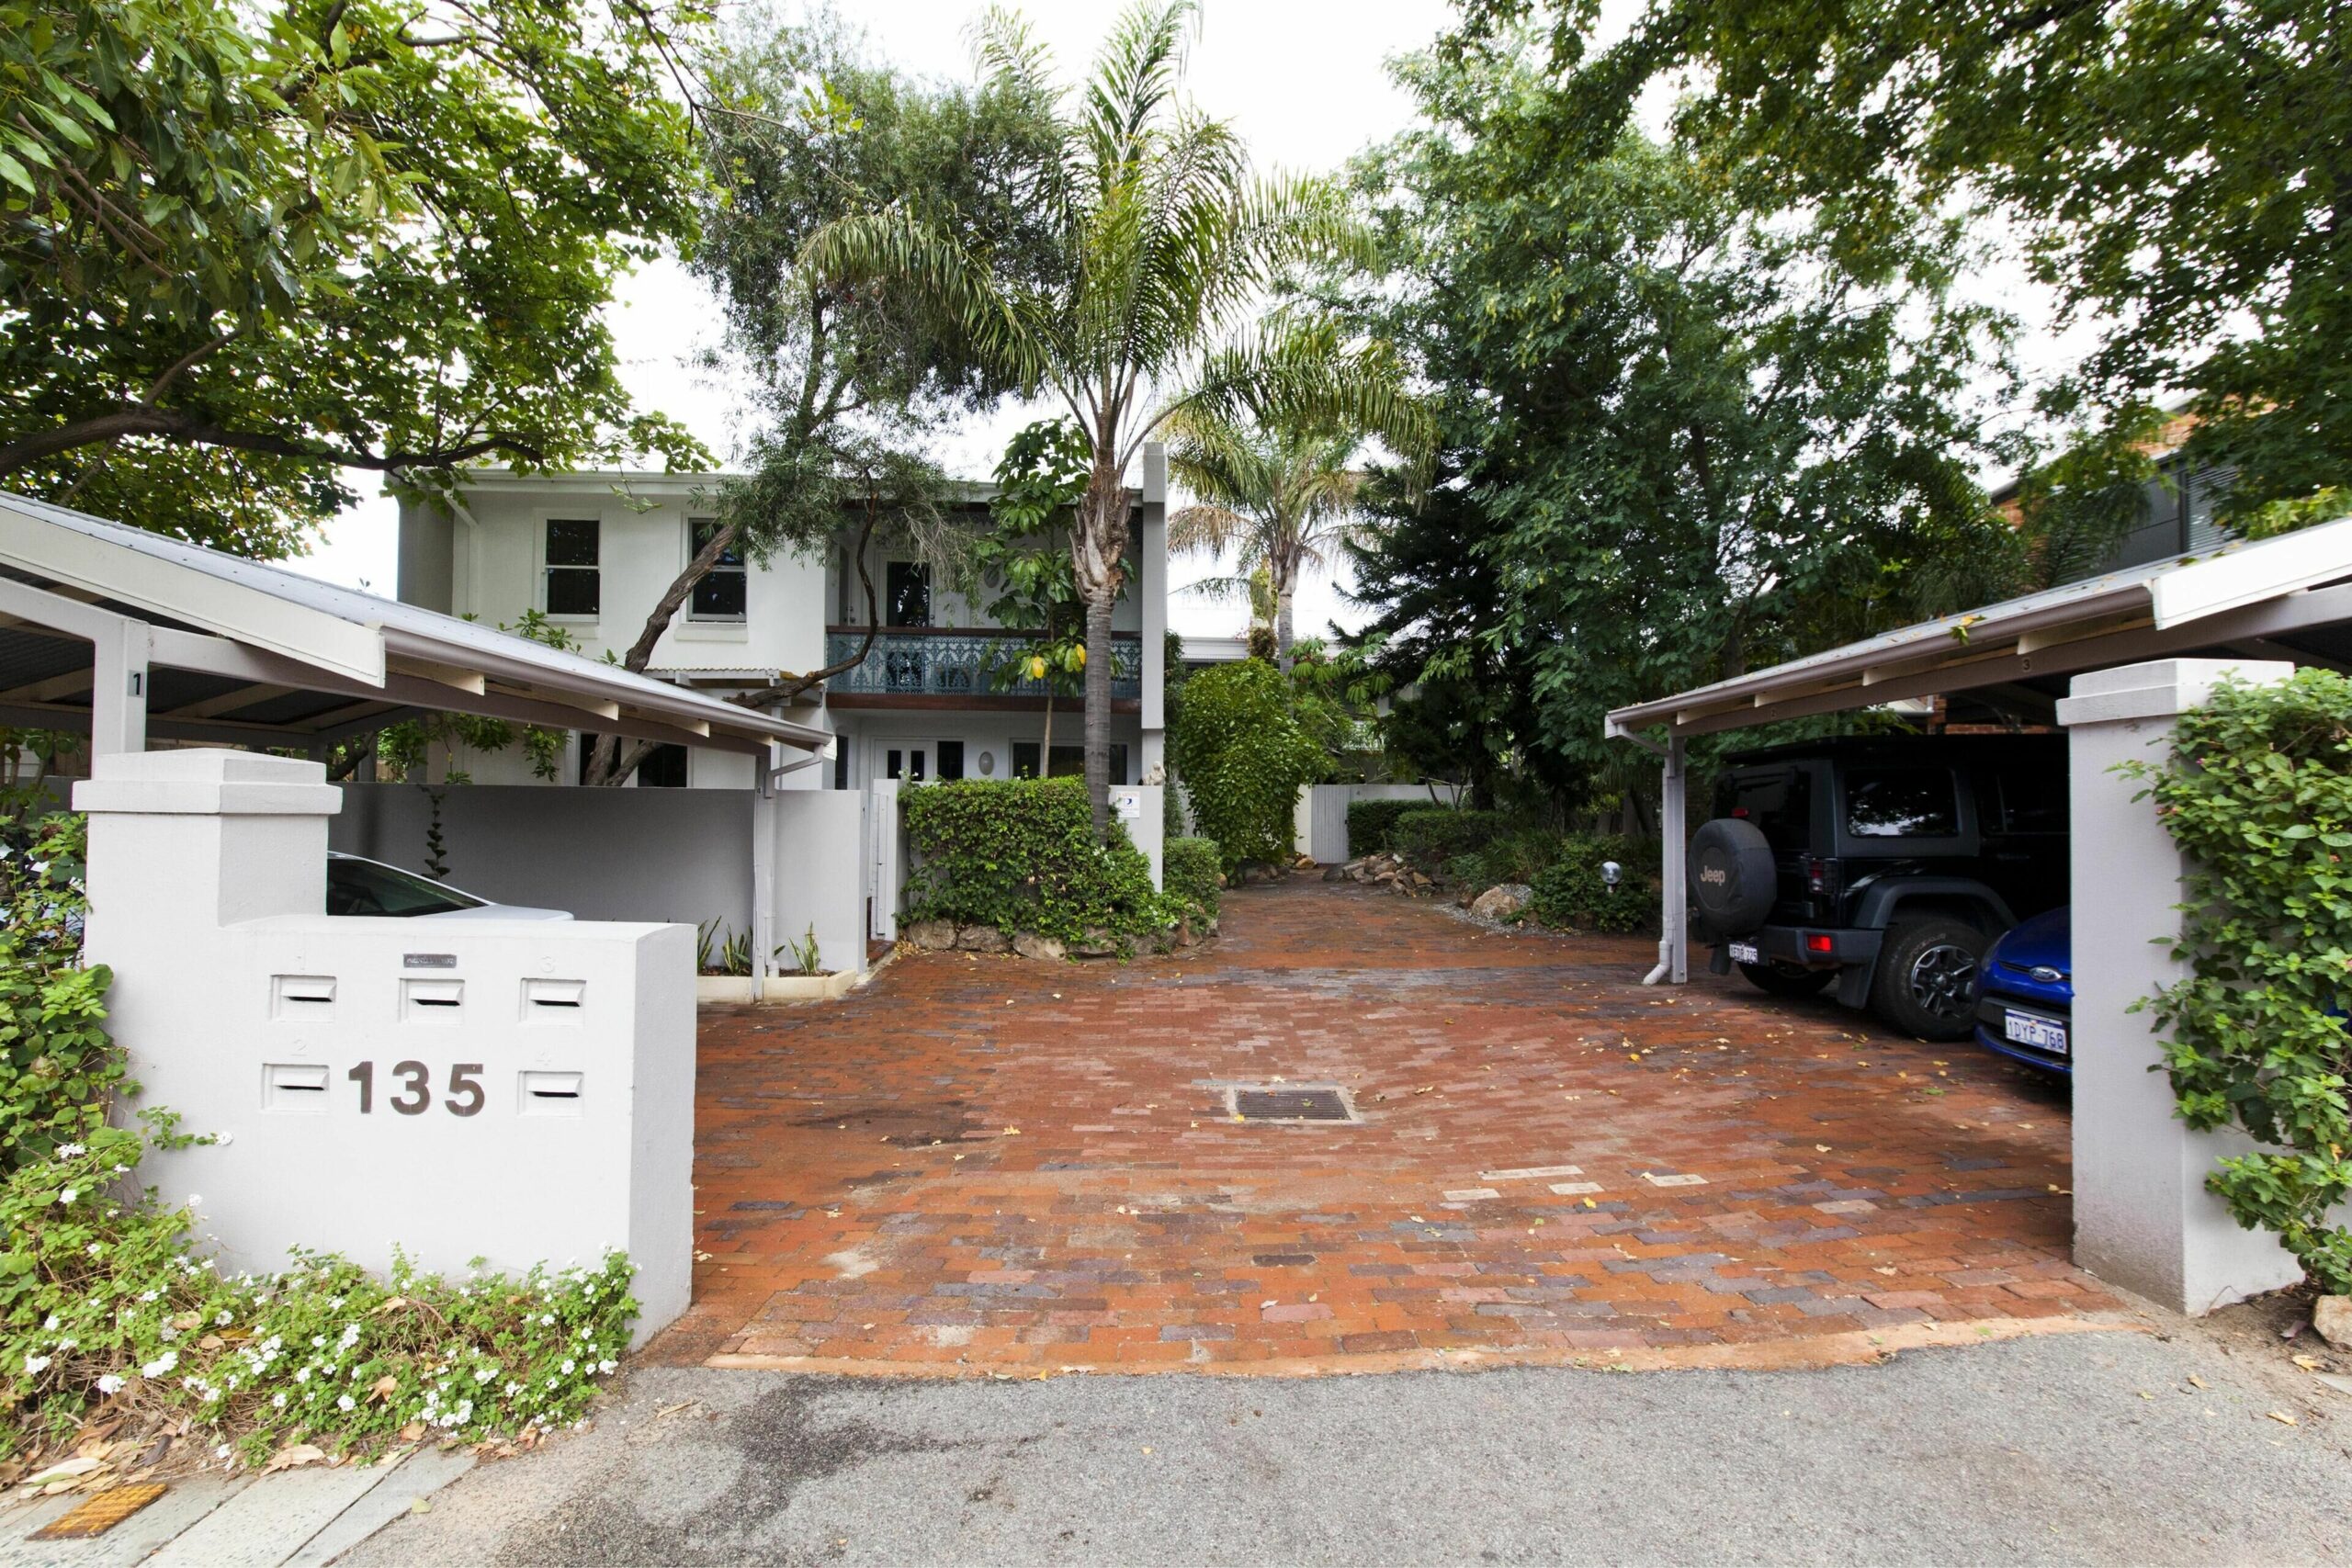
{"x":1165,"y":244}
{"x":1281,"y":496}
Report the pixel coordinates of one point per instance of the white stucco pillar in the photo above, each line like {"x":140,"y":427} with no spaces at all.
{"x":1151,"y":593}
{"x":2143,"y":1217}
{"x":520,"y":1091}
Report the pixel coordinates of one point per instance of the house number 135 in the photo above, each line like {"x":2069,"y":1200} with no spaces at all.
{"x":464,"y":1098}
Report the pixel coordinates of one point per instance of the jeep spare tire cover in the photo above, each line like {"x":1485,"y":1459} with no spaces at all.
{"x":1733,"y":879}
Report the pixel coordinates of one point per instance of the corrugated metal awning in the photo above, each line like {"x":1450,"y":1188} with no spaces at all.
{"x":2289,"y":597}
{"x":255,"y":654}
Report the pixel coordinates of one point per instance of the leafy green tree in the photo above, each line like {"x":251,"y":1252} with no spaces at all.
{"x":1281,"y":495}
{"x":848,"y":383}
{"x":1680,"y":440}
{"x":247,"y":247}
{"x":2177,"y":169}
{"x":1040,"y":481}
{"x":1162,"y":242}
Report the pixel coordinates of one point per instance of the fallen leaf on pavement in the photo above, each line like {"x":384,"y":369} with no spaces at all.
{"x":293,"y":1457}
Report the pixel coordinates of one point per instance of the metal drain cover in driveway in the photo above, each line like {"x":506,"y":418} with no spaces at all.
{"x":1291,"y":1105}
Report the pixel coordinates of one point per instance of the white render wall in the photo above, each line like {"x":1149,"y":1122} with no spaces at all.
{"x":497,"y":563}
{"x":2143,"y":1216}
{"x":526,"y":1088}
{"x":1322,"y":815}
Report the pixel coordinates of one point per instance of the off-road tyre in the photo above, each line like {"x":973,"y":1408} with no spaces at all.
{"x":1923,"y":985}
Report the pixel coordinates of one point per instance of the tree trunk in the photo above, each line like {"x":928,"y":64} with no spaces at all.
{"x":1097,"y":545}
{"x":1283,"y":595}
{"x":607,"y":764}
{"x":1098,"y":712}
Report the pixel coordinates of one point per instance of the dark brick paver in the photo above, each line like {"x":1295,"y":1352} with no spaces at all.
{"x":1012,"y":1166}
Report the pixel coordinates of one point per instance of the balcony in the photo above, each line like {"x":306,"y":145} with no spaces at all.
{"x":934,"y":667}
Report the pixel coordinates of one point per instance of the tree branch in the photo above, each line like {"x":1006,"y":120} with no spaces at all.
{"x":192,"y":430}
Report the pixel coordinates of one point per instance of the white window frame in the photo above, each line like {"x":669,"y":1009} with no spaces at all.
{"x":745,"y":569}
{"x":546,"y":567}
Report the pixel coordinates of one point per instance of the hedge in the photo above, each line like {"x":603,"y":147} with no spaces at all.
{"x":1571,"y":893}
{"x":1020,"y":855}
{"x":1190,"y":872}
{"x":1243,"y":758}
{"x":1370,"y":823}
{"x":1430,"y":837}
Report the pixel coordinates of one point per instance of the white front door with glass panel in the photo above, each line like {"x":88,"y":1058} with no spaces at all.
{"x":917,"y":761}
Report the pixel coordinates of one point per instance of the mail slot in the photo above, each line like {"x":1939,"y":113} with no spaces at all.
{"x":297,"y":1087}
{"x":432,"y":1002}
{"x":550,"y":1093}
{"x":552,"y":1001}
{"x":302,"y":996}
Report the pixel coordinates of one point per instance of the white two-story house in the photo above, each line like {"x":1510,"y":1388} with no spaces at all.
{"x":593,"y":552}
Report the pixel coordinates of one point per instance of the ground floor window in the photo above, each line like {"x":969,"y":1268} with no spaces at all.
{"x":950,"y":760}
{"x":1070,"y":761}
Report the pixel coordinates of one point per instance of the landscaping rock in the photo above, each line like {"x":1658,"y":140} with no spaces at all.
{"x":1096,"y":943}
{"x":932,"y":936}
{"x":1029,"y":944}
{"x":2332,"y":1316}
{"x":982,"y":939}
{"x":1506,"y":902}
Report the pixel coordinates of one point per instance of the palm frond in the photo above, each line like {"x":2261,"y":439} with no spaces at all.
{"x":898,"y":248}
{"x":1205,"y":530}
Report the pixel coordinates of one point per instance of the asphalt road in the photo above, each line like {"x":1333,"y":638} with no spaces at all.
{"x":2036,"y":1450}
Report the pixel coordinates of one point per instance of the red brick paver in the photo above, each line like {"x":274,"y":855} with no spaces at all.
{"x":1006,"y":1166}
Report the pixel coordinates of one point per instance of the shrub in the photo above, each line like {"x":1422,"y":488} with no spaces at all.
{"x":104,"y":1310}
{"x":1517,"y":856}
{"x":58,"y":1070}
{"x":2257,"y":792}
{"x":1570,"y":894}
{"x":1244,"y":759}
{"x":1020,"y":855}
{"x":1370,"y":822}
{"x":1190,"y":870}
{"x":1430,"y":837}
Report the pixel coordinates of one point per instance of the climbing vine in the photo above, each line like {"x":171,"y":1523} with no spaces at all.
{"x":2257,"y":791}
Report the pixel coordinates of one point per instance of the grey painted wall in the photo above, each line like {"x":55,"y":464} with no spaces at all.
{"x":605,"y":855}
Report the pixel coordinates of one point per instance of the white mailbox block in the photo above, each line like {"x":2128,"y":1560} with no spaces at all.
{"x":519,"y":1091}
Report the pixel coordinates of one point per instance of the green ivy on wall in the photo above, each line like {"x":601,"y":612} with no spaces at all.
{"x":2257,"y":792}
{"x":1243,"y":760}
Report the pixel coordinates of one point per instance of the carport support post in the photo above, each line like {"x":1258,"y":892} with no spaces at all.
{"x":1674,"y":927}
{"x":2143,"y":1217}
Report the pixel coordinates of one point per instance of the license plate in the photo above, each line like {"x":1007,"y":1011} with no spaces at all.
{"x":1743,"y":952}
{"x":2042,"y":1033}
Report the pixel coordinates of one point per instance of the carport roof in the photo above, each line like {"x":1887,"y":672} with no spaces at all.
{"x":2289,"y":597}
{"x":255,"y":654}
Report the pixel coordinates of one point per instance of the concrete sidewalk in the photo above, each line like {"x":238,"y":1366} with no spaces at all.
{"x":2085,"y":1447}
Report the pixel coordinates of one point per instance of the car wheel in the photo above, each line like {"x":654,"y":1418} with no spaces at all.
{"x":1784,"y":982}
{"x":1925,"y":979}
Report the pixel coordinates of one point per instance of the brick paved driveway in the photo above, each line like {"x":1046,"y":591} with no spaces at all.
{"x":1008,"y":1166}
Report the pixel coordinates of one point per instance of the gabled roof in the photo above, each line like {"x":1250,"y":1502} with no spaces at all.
{"x":2289,"y":597}
{"x":240,"y":628}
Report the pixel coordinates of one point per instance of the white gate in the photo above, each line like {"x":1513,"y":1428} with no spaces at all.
{"x":882,"y":860}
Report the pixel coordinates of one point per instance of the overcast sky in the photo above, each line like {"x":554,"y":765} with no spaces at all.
{"x":1305,"y":82}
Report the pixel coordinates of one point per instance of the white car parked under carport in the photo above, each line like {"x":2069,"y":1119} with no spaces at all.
{"x":356,"y":885}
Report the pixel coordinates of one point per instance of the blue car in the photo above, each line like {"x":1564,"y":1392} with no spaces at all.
{"x":2025,"y":993}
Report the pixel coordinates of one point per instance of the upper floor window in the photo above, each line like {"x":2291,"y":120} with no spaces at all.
{"x":575,"y":584}
{"x":720,"y":595}
{"x":906,"y":594}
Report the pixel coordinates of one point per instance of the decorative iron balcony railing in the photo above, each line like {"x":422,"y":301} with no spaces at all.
{"x":921,"y":661}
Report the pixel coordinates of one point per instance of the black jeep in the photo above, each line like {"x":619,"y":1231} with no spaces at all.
{"x":1887,"y":863}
